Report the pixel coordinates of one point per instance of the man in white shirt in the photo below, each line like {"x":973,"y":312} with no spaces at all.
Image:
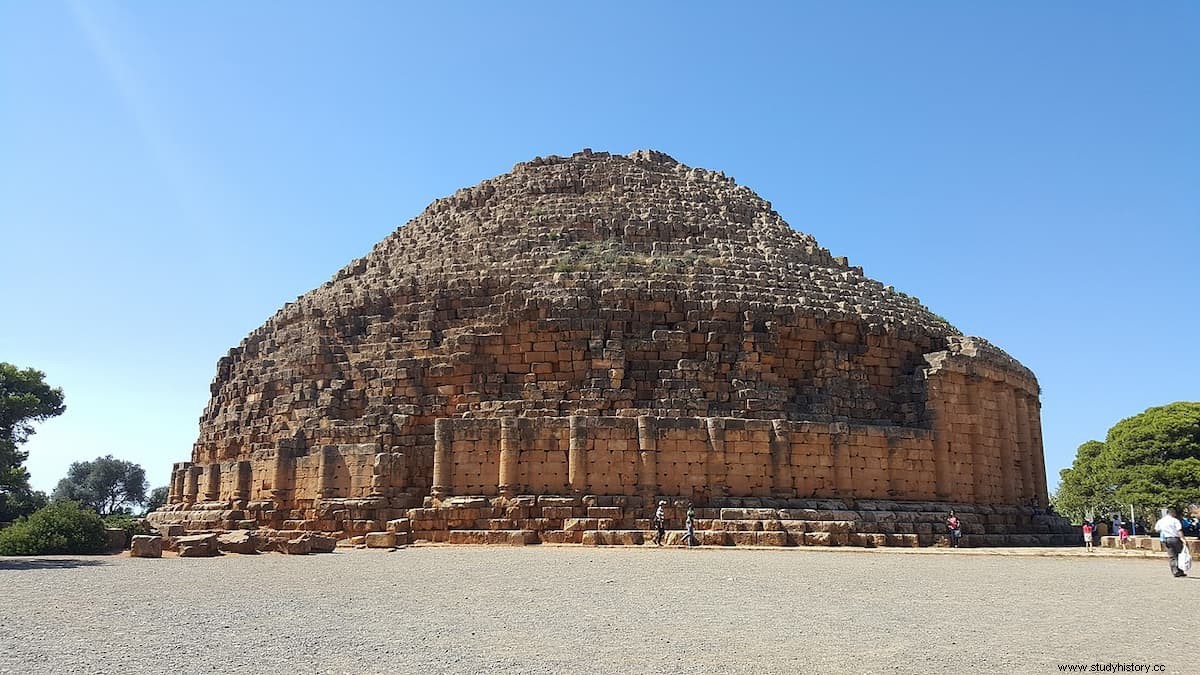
{"x":1171,"y":531}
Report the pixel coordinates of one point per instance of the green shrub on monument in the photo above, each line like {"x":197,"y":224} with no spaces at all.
{"x":60,"y":528}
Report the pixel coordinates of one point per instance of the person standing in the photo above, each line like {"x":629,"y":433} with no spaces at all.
{"x":1123,"y":534}
{"x":1171,"y":531}
{"x":660,"y":522}
{"x":689,"y":537}
{"x":1087,"y":535}
{"x":954,"y":527}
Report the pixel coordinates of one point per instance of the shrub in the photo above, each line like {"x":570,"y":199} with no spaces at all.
{"x":131,"y":524}
{"x":61,"y":527}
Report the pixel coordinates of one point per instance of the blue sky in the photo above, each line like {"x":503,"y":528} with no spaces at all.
{"x":171,"y":174}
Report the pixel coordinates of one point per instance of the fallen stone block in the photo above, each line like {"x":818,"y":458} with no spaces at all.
{"x":381,"y":539}
{"x":197,"y":546}
{"x":146,"y":546}
{"x":297,"y":546}
{"x":238,"y":541}
{"x":319,"y":543}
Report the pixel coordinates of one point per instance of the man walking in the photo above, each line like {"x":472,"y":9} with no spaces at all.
{"x":1171,"y":531}
{"x":660,"y":522}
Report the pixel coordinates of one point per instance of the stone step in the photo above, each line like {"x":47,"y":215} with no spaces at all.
{"x":492,"y":537}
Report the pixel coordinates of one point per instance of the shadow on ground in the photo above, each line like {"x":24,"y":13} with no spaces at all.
{"x":47,"y":563}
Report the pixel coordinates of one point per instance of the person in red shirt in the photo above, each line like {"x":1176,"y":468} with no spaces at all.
{"x":955,"y":528}
{"x":1087,"y":535}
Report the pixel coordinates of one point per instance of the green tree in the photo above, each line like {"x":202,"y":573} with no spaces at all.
{"x":105,"y":484}
{"x":158,"y":498}
{"x":1150,"y":460}
{"x":25,"y":398}
{"x":1086,"y":488}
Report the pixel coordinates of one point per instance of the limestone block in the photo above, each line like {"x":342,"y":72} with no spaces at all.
{"x":197,"y":546}
{"x":399,"y":525}
{"x":299,"y":546}
{"x":904,"y":540}
{"x":579,"y":524}
{"x":743,"y":538}
{"x":560,"y":537}
{"x":146,"y":546}
{"x":238,"y":541}
{"x":771,"y":538}
{"x":319,"y":543}
{"x":816,"y":539}
{"x":381,"y":539}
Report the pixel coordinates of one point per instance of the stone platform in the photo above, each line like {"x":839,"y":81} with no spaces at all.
{"x":609,"y":520}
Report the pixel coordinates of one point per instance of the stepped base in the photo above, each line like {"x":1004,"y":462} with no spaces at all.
{"x":626,"y":521}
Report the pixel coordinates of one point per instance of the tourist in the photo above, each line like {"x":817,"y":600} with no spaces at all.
{"x":1123,"y":534}
{"x":954,"y":527}
{"x":1087,"y":535}
{"x":689,"y":537}
{"x":1170,"y":530}
{"x":660,"y":522}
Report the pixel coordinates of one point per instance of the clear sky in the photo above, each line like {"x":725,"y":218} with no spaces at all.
{"x":172,"y":174}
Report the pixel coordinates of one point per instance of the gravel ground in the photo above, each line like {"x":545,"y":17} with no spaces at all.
{"x":547,"y":609}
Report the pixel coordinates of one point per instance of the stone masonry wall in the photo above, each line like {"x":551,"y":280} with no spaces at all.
{"x":624,"y":327}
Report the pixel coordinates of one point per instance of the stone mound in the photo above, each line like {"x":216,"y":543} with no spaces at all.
{"x":603,"y":325}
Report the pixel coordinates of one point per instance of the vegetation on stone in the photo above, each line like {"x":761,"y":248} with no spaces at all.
{"x":25,"y":399}
{"x":61,"y":528}
{"x":1150,"y":461}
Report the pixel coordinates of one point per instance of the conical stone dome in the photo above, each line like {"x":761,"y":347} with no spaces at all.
{"x":609,"y":305}
{"x":662,"y":283}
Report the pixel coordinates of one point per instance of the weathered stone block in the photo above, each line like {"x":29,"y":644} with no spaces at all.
{"x":771,"y":538}
{"x":146,"y":546}
{"x":381,"y":539}
{"x":238,"y":541}
{"x":298,"y":546}
{"x":197,"y":545}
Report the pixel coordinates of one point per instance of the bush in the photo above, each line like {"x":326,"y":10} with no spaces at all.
{"x":131,"y":524}
{"x":61,"y":527}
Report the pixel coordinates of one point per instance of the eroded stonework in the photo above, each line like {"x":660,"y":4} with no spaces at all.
{"x":600,"y":332}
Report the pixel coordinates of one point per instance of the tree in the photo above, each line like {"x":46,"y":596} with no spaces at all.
{"x":25,"y":398}
{"x":1150,"y":460}
{"x":158,"y":498}
{"x":1086,"y":489}
{"x":105,"y":484}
